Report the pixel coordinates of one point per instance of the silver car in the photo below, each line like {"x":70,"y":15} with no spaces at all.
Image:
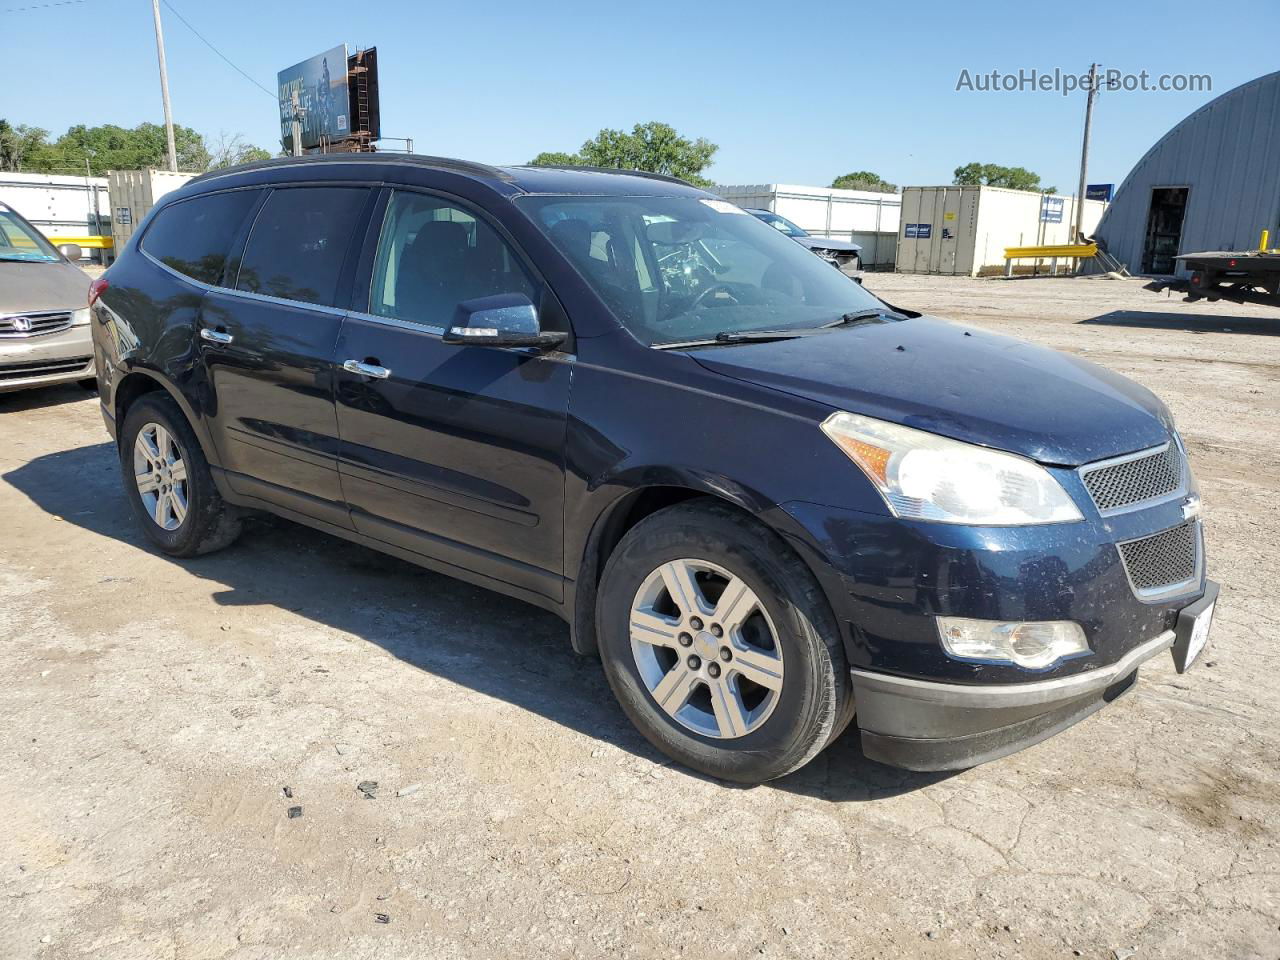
{"x":44,"y":309}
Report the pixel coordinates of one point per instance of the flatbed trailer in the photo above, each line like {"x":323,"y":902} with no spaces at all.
{"x":1251,"y":276}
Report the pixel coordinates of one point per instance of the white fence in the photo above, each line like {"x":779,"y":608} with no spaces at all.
{"x":867,"y":218}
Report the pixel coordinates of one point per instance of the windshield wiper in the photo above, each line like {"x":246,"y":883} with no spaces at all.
{"x":743,"y":336}
{"x":861,"y":316}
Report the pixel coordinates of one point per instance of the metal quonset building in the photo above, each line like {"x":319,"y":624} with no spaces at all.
{"x":1210,"y":183}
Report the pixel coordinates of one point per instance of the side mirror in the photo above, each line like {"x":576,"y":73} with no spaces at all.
{"x":71,"y":251}
{"x":506,"y":320}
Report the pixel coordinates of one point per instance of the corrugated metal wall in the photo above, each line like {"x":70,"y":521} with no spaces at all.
{"x":1228,"y":154}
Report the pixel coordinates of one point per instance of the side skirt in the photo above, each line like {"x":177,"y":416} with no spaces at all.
{"x":422,"y":560}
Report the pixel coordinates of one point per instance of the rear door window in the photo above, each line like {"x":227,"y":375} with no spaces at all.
{"x":299,"y":241}
{"x":195,"y":236}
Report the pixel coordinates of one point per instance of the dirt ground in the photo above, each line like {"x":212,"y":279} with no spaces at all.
{"x":153,"y":712}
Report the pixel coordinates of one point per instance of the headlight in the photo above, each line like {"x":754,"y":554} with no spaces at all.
{"x":80,"y":317}
{"x":923,"y":476}
{"x":1034,"y":644}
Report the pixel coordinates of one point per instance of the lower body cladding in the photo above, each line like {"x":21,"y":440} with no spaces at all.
{"x":46,"y":359}
{"x":921,"y":709}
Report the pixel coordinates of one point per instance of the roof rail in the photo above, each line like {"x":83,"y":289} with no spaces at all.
{"x":666,"y":177}
{"x":439,"y":163}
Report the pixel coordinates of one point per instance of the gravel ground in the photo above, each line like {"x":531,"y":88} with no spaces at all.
{"x":154,"y":712}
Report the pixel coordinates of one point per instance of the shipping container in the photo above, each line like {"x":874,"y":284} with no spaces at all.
{"x":964,"y":230}
{"x":60,"y":206}
{"x":865,"y":217}
{"x":134,"y":193}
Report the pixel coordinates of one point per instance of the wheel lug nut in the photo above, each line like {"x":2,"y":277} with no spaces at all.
{"x":717,"y":630}
{"x":695,"y":663}
{"x":713,"y":669}
{"x":685,"y":640}
{"x":695,"y":623}
{"x":726,"y":654}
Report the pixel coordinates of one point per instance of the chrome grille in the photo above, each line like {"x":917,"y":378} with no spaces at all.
{"x":1121,"y":483}
{"x":39,"y":323}
{"x":1164,"y":560}
{"x":41,"y":368}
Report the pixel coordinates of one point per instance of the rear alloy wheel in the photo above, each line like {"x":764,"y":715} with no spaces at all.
{"x":168,"y":482}
{"x":161,"y":476}
{"x":719,"y":644}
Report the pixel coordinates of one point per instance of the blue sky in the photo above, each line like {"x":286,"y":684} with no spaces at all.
{"x":792,"y":94}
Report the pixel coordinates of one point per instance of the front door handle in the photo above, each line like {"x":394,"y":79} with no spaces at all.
{"x":366,"y":369}
{"x":215,"y":336}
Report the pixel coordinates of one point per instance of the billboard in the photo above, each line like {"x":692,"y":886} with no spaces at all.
{"x":320,"y":84}
{"x":363,"y":77}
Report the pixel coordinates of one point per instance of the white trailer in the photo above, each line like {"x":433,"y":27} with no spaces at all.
{"x":865,"y":217}
{"x":59,"y":206}
{"x":134,"y":193}
{"x":963,"y":230}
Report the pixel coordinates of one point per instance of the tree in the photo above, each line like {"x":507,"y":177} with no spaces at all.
{"x":652,"y":147}
{"x":20,"y":145}
{"x":994,"y":175}
{"x":229,"y":151}
{"x":110,"y":147}
{"x":864,"y":180}
{"x":555,"y":159}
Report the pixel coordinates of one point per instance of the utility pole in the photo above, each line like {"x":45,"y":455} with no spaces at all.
{"x":295,"y":125}
{"x":1084,"y":150}
{"x":164,"y":87}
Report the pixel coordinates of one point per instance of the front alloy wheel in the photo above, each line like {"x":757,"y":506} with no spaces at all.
{"x":161,"y":476}
{"x":720,"y":645}
{"x":706,"y":649}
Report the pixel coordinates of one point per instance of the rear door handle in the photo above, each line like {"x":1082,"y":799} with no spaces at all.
{"x":215,"y":336}
{"x":366,"y":369}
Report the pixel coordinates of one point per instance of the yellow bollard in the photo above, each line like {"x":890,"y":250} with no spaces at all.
{"x":1262,"y":244}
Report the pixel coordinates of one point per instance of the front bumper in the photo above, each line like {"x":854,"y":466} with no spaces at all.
{"x":889,"y":580}
{"x":42,"y":361}
{"x":921,"y":725}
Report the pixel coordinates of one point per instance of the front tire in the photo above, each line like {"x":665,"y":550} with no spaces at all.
{"x":168,"y":482}
{"x":719,"y":644}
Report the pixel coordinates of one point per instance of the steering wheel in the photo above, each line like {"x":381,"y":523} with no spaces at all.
{"x":714,"y":288}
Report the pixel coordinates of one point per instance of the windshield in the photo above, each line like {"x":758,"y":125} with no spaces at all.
{"x":682,"y":269}
{"x":781,"y":224}
{"x":21,"y":241}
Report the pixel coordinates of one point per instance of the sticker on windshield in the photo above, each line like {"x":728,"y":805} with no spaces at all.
{"x":724,"y":206}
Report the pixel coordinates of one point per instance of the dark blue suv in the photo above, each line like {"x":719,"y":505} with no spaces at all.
{"x":765,"y":499}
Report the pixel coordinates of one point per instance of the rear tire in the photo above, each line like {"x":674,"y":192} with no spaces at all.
{"x":168,"y":482}
{"x":719,"y":644}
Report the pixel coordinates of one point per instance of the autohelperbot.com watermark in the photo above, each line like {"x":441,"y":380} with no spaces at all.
{"x":1065,"y":83}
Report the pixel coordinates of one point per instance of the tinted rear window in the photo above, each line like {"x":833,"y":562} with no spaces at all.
{"x":299,"y":241}
{"x":195,"y":236}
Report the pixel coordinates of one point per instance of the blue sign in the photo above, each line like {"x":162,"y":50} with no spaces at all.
{"x":1100,"y":191}
{"x":919,"y":231}
{"x":1051,"y":209}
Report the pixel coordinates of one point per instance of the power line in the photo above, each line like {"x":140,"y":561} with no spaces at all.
{"x":200,"y":36}
{"x":43,"y":6}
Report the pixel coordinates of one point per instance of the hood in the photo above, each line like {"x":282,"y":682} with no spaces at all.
{"x":33,"y":287}
{"x":825,"y":243}
{"x":959,"y":382}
